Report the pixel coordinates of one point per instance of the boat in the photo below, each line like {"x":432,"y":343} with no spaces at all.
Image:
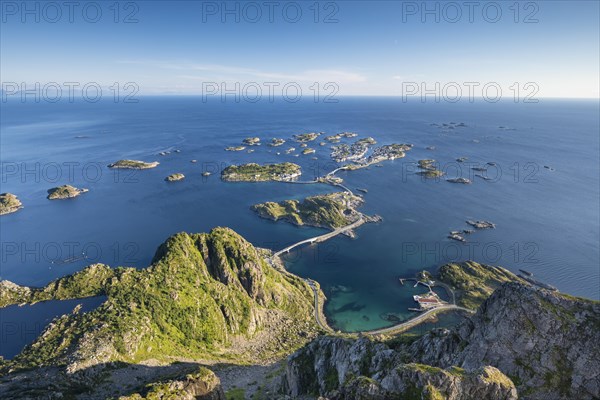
{"x":526,"y":272}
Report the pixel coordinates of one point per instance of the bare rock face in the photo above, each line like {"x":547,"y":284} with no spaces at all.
{"x":547,"y":342}
{"x":362,"y":369}
{"x":203,"y":385}
{"x":524,"y":342}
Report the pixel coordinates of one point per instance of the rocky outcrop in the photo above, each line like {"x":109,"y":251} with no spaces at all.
{"x":9,"y":203}
{"x":175,"y":177}
{"x":362,"y":369}
{"x":524,"y":341}
{"x":65,"y":192}
{"x":547,"y":342}
{"x":133,"y":164}
{"x":11,"y":293}
{"x":203,"y":385}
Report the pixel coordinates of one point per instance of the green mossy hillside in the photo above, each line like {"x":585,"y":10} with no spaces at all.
{"x":260,"y":173}
{"x":327,"y":211}
{"x":202,"y":293}
{"x":474,"y":282}
{"x":91,"y":281}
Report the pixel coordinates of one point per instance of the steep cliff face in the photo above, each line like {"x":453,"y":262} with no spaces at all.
{"x":362,"y":369}
{"x":537,"y":343}
{"x":204,"y":296}
{"x":546,"y":342}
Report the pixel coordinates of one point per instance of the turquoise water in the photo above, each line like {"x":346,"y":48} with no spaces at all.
{"x":547,"y":218}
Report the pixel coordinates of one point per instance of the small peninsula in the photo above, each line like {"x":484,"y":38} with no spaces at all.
{"x":329,"y":211}
{"x":9,"y":203}
{"x":65,"y":192}
{"x":261,"y":173}
{"x":133,"y":164}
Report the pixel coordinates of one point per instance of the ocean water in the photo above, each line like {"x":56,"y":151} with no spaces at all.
{"x":21,"y":325}
{"x":543,"y":194}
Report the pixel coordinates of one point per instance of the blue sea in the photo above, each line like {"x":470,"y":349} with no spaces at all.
{"x":542,"y":192}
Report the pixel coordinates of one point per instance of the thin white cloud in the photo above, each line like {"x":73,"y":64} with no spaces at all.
{"x":228,"y":72}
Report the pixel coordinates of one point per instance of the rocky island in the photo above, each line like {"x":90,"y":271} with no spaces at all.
{"x":235,"y":148}
{"x":481,"y":224}
{"x":133,"y":164}
{"x":261,"y":173}
{"x":428,"y":169}
{"x":356,"y":151}
{"x":337,"y":137}
{"x":276,"y":142}
{"x":329,"y":211}
{"x":9,"y":203}
{"x":464,"y":181}
{"x":64,"y":192}
{"x":306,"y":137}
{"x":175,"y":177}
{"x":252,"y":141}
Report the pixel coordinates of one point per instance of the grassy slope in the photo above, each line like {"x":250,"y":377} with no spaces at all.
{"x":474,"y":282}
{"x":201,"y":291}
{"x":323,"y":211}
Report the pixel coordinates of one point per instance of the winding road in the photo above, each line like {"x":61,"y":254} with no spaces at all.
{"x":401,"y":327}
{"x":322,"y":325}
{"x":398,"y":328}
{"x":417,"y":320}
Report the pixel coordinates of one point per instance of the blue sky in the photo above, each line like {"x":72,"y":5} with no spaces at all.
{"x":367,"y":48}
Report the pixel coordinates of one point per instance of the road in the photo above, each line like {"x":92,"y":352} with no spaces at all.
{"x":324,"y":237}
{"x":391,"y":329}
{"x":417,"y":320}
{"x":406,"y":325}
{"x":322,"y":325}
